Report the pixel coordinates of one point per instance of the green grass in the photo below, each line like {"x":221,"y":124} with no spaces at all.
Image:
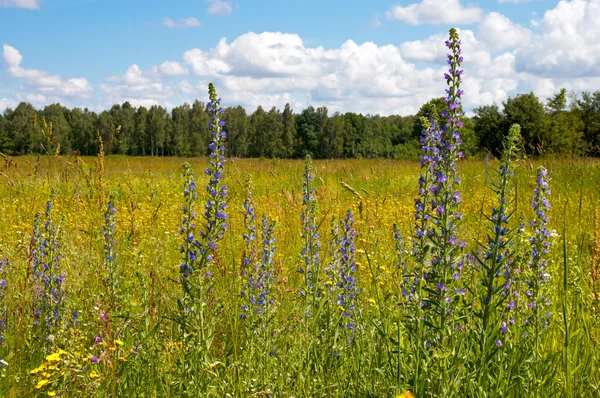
{"x":148,"y":195}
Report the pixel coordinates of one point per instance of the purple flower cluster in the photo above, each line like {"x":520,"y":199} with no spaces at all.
{"x":538,"y":275}
{"x":190,"y":247}
{"x":446,"y":250}
{"x":260,"y":275}
{"x":311,"y":258}
{"x":198,"y":251}
{"x":257,"y":270}
{"x":497,"y":258}
{"x":215,"y":217}
{"x":47,"y":276}
{"x":110,"y":251}
{"x":347,"y":290}
{"x":249,"y":233}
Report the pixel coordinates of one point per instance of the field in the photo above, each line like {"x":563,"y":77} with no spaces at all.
{"x":134,"y":345}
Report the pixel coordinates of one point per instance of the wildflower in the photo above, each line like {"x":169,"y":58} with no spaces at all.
{"x":48,"y":290}
{"x":111,"y":272}
{"x":258,"y":290}
{"x":437,"y":211}
{"x":41,"y":383}
{"x":496,"y":264}
{"x":538,"y":274}
{"x":311,"y":259}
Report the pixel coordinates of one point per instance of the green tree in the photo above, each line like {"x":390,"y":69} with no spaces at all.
{"x":528,"y":111}
{"x":21,"y":125}
{"x":237,"y":127}
{"x":588,"y":107}
{"x":489,"y":128}
{"x":565,"y":128}
{"x":156,"y":124}
{"x":140,"y":141}
{"x":289,"y":131}
{"x":83,"y":134}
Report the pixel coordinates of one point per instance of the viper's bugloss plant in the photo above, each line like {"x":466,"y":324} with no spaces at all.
{"x":347,"y":290}
{"x":215,"y":217}
{"x":259,"y":278}
{"x":111,"y":270}
{"x":199,"y":248}
{"x":538,"y":275}
{"x":198,"y":255}
{"x":311,"y":291}
{"x":496,"y":261}
{"x":47,"y":276}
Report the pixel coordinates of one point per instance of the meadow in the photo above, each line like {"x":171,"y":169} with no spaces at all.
{"x":332,"y":278}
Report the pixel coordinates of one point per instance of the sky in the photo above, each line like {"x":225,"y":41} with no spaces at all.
{"x":378,"y":56}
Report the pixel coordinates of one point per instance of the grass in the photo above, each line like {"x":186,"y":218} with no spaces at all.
{"x":148,"y":196}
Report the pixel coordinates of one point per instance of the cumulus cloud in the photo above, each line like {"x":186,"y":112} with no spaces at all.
{"x":190,"y":22}
{"x":27,"y":4}
{"x":221,"y":7}
{"x":502,"y":59}
{"x":435,"y":12}
{"x":44,"y":81}
{"x":170,"y":68}
{"x":501,"y":33}
{"x":566,"y":44}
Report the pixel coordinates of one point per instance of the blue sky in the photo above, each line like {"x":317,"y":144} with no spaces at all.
{"x":367,"y":56}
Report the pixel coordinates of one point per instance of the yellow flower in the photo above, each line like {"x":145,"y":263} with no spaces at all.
{"x":119,"y":342}
{"x":405,"y":394}
{"x":53,"y":357}
{"x":51,"y":393}
{"x":372,"y":300}
{"x":93,"y":374}
{"x":41,"y":383}
{"x":38,"y":370}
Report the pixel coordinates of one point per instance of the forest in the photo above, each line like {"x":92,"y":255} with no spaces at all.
{"x":566,"y":124}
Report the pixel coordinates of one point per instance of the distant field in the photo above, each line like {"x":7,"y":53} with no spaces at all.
{"x":148,"y":197}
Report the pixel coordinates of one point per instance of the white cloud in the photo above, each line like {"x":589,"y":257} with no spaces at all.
{"x":435,"y":12}
{"x":501,"y":33}
{"x":221,"y":7}
{"x":566,"y":44}
{"x":170,"y":68}
{"x":513,"y":1}
{"x":27,"y":4}
{"x":42,"y":80}
{"x":501,"y":59}
{"x":190,"y":22}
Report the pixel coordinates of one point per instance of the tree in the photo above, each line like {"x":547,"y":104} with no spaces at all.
{"x":83,"y":134}
{"x":6,"y":144}
{"x":565,"y":128}
{"x":140,"y":141}
{"x":21,"y":125}
{"x":199,"y":133}
{"x":55,"y":115}
{"x":588,"y":107}
{"x":489,"y":128}
{"x":528,"y":111}
{"x":179,"y":141}
{"x":333,"y":137}
{"x":236,"y":125}
{"x":257,"y":133}
{"x":106,"y":129}
{"x":289,"y":131}
{"x":156,"y":124}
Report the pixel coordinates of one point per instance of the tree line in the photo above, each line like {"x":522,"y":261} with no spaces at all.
{"x":566,"y":124}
